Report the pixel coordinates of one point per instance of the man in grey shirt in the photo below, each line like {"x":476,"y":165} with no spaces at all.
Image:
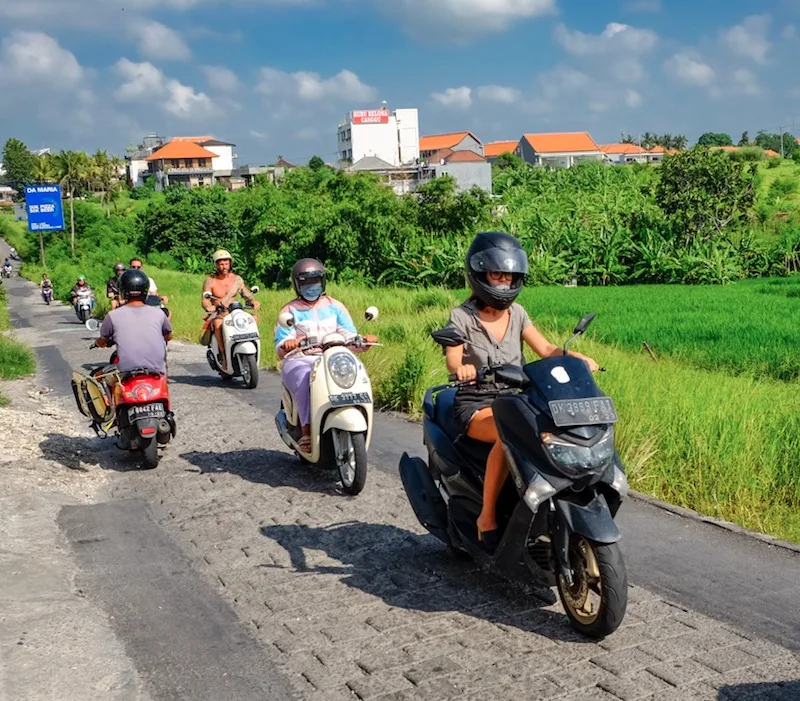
{"x":139,"y":331}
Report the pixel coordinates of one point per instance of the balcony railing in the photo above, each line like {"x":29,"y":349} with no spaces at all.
{"x":206,"y":170}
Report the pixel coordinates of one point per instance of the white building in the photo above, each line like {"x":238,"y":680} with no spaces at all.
{"x":392,"y":137}
{"x":623,"y":154}
{"x":558,"y":150}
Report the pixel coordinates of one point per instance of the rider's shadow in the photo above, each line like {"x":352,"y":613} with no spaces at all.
{"x":80,"y":453}
{"x":415,"y":572}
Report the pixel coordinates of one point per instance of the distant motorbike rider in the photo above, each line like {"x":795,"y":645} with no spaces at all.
{"x":46,"y":282}
{"x":139,"y":331}
{"x":315,"y":315}
{"x":7,"y":267}
{"x":224,"y":284}
{"x":153,"y":298}
{"x":78,"y":288}
{"x":112,"y":285}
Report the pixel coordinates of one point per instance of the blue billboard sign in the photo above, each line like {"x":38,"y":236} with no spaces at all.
{"x":43,"y":207}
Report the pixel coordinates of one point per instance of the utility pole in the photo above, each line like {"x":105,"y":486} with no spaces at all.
{"x":780,"y":129}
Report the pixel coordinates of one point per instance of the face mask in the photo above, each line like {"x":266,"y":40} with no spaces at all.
{"x":311,"y":293}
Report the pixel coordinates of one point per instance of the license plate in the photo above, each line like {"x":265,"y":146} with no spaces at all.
{"x":351,"y":398}
{"x":148,"y":411}
{"x":245,"y":337}
{"x":583,"y":412}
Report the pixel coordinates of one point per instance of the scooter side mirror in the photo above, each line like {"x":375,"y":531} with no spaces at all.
{"x":92,"y":324}
{"x":449,"y":337}
{"x":583,"y":324}
{"x":371,"y":314}
{"x":254,"y":289}
{"x":286,"y":320}
{"x":207,"y":295}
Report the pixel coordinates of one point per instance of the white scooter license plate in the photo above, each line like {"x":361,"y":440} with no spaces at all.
{"x":147,"y":411}
{"x":351,"y":398}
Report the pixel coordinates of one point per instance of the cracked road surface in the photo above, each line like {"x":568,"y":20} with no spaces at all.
{"x":233,"y":571}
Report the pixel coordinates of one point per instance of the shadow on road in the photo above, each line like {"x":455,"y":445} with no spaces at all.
{"x":207,"y":381}
{"x":79,"y":453}
{"x":762,"y":691}
{"x":271,"y":467}
{"x":417,"y":573}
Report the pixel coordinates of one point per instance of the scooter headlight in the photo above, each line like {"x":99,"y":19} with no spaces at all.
{"x":576,"y":460}
{"x":343,"y":369}
{"x":620,"y":482}
{"x":241,"y":322}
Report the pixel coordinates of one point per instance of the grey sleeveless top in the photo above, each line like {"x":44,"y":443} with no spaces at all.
{"x":508,"y":351}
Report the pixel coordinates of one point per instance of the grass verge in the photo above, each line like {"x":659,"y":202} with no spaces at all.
{"x":16,"y":360}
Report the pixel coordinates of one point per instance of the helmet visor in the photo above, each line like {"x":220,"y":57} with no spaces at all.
{"x":500,"y":261}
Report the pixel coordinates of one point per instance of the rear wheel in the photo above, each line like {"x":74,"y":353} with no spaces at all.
{"x":249,"y":371}
{"x":595,"y":603}
{"x":149,"y":452}
{"x":350,"y":457}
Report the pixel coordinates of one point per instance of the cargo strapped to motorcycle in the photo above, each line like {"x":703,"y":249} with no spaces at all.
{"x":94,"y":400}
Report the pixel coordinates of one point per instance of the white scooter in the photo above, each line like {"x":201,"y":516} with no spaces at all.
{"x":242,"y":342}
{"x":84,"y":304}
{"x":341,"y":407}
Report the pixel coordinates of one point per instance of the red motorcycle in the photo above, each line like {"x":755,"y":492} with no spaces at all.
{"x":136,"y":404}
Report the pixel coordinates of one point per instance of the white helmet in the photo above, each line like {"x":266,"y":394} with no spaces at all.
{"x":222,"y":254}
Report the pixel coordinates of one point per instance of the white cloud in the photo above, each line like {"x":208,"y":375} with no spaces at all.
{"x":460,"y":98}
{"x":307,"y":134}
{"x":498,"y":93}
{"x":686,"y":67}
{"x":616,"y":38}
{"x":221,"y":78}
{"x":746,"y":82}
{"x":644,"y":6}
{"x":749,"y":39}
{"x":143,"y":82}
{"x":633,"y":99}
{"x":35,"y":56}
{"x":158,"y":41}
{"x":458,"y":20}
{"x":345,"y":86}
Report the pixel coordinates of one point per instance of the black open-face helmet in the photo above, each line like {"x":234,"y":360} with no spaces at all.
{"x":306,"y":271}
{"x":133,"y":285}
{"x":496,"y":251}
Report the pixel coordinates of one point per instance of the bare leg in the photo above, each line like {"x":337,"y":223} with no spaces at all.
{"x":483,"y":428}
{"x":220,"y":343}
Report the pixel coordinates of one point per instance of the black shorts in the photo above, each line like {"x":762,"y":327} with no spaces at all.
{"x":470,"y":401}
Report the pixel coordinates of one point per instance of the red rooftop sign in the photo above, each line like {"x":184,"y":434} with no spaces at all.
{"x":370,"y":116}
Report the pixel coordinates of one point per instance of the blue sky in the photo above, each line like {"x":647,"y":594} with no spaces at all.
{"x":276,"y":76}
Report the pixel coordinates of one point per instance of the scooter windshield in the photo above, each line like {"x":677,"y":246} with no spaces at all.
{"x":560,"y":378}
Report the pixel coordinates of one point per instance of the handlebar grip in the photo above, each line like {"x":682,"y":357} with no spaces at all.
{"x":452,"y":377}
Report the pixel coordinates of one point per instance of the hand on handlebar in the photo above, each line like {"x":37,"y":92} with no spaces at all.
{"x":466,"y":373}
{"x":290,"y":344}
{"x":369,"y":338}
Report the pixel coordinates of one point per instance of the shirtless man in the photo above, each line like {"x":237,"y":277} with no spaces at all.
{"x":224,"y":285}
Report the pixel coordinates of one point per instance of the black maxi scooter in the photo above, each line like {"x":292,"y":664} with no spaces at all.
{"x":556,"y":512}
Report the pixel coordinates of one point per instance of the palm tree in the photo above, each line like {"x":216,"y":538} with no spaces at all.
{"x":73,"y":169}
{"x":44,"y":170}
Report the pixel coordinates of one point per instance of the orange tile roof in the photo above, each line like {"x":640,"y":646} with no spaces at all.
{"x":498,"y":148}
{"x":561,"y":143}
{"x":658,"y":149}
{"x":769,"y":153}
{"x":440,"y":141}
{"x":464,"y":156}
{"x":178,"y":148}
{"x":622,"y":149}
{"x":196,"y":139}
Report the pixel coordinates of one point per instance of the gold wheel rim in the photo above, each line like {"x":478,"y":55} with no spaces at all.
{"x":585,"y":596}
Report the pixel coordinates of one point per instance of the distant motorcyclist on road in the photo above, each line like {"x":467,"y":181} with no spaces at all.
{"x":224,"y":285}
{"x":14,"y":253}
{"x":79,"y":288}
{"x":7,"y":267}
{"x":153,"y":298}
{"x":139,"y":331}
{"x":112,"y":285}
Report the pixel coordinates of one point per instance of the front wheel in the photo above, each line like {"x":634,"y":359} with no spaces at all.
{"x":149,"y":453}
{"x":350,"y":456}
{"x":249,"y":371}
{"x":595,"y":603}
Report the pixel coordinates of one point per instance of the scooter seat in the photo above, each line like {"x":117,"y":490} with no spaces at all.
{"x":443,"y":413}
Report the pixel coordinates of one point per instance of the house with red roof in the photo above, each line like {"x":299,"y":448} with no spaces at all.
{"x":492,"y":151}
{"x":560,"y":150}
{"x":456,"y":141}
{"x":623,"y":154}
{"x":182,"y":161}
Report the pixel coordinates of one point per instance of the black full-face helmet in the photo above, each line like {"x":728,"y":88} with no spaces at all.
{"x":307,"y":271}
{"x":133,"y":285}
{"x":496,"y":251}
